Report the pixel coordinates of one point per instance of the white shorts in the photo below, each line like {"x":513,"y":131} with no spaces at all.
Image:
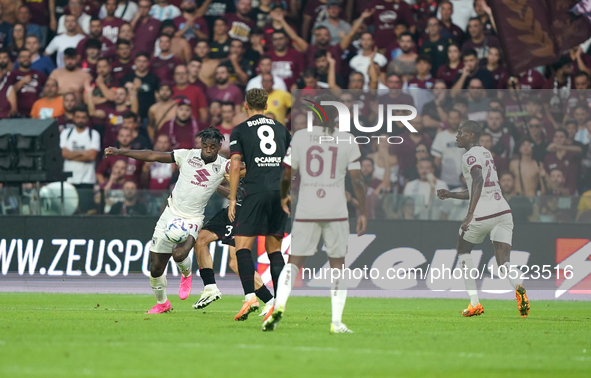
{"x":160,"y":244}
{"x":306,"y":235}
{"x":499,"y":227}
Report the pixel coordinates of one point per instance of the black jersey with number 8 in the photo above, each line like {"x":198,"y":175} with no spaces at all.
{"x":262,"y":142}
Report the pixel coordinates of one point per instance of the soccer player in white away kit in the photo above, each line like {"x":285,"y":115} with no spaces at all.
{"x":201,"y":172}
{"x":321,"y":209}
{"x":488,"y":213}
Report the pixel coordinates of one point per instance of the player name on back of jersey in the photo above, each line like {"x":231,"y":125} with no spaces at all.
{"x":260,"y":121}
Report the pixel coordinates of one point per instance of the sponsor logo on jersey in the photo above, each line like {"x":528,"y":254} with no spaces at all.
{"x":388,"y":16}
{"x":268,"y":161}
{"x":195,"y":162}
{"x":471,"y":160}
{"x":201,"y":176}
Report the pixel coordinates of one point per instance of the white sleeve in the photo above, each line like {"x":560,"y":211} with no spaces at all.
{"x":64,"y":138}
{"x":278,"y":83}
{"x":86,"y":25}
{"x":103,"y":12}
{"x":180,"y":155}
{"x":52,"y":46}
{"x":95,"y":143}
{"x":175,"y":12}
{"x":436,"y":147}
{"x":251,"y":84}
{"x":132,"y":9}
{"x":354,"y":155}
{"x":287,"y":158}
{"x":61,"y":27}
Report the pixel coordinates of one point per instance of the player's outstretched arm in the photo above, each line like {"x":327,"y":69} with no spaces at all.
{"x":223,"y":191}
{"x":143,"y":155}
{"x":444,"y":194}
{"x":360,"y":194}
{"x":477,"y":184}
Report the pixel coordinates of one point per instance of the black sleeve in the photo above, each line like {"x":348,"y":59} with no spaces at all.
{"x":236,"y":142}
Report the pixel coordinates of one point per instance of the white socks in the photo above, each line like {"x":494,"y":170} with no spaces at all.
{"x":514,"y":281}
{"x":159,"y":288}
{"x":338,"y":297}
{"x":285,"y":283}
{"x":466,"y":264}
{"x":185,"y":266}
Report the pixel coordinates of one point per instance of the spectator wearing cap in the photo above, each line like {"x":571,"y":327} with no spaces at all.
{"x":126,"y":10}
{"x":240,"y":23}
{"x":265,"y":67}
{"x":224,"y":91}
{"x":191,"y":92}
{"x":145,"y":28}
{"x":162,"y":10}
{"x":366,"y":56}
{"x":81,"y":19}
{"x":96,"y":32}
{"x":336,"y":26}
{"x":68,"y":39}
{"x":162,"y":111}
{"x":446,"y":10}
{"x":92,"y":53}
{"x":71,"y":78}
{"x":39,"y":62}
{"x":219,"y":46}
{"x":111,"y":24}
{"x":471,"y":71}
{"x":387,"y":14}
{"x":112,"y":115}
{"x":51,"y":105}
{"x":145,"y":83}
{"x":162,"y":65}
{"x":183,"y":127}
{"x":27,"y":83}
{"x":278,"y":101}
{"x":190,"y":24}
{"x":435,"y":45}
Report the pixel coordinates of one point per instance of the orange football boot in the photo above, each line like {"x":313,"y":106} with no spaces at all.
{"x":473,"y":311}
{"x":522,"y":301}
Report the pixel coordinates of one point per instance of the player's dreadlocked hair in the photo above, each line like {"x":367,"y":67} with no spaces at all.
{"x":331,"y":112}
{"x":211,"y":133}
{"x":472,"y":127}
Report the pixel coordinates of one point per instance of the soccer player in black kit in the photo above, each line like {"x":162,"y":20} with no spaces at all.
{"x":262,"y":143}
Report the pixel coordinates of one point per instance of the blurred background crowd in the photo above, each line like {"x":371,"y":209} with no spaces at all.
{"x":150,"y":75}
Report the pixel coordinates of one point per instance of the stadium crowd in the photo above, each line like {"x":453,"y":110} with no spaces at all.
{"x":151,"y":75}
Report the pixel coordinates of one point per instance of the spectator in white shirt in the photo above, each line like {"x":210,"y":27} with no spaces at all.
{"x":162,"y":10}
{"x":126,"y":10}
{"x":424,"y":190}
{"x":80,"y":146}
{"x":361,"y":61}
{"x":77,"y":10}
{"x":265,"y":66}
{"x":61,"y":42}
{"x":448,"y":157}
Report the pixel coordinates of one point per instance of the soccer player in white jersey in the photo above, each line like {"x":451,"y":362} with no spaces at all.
{"x":201,"y":172}
{"x":488,"y":213}
{"x":321,"y":210}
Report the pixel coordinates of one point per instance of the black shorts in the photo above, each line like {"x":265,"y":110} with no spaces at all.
{"x":261,"y":214}
{"x":220,"y":225}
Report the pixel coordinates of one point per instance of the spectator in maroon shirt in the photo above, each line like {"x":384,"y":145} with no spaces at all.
{"x":96,"y":32}
{"x":126,"y":33}
{"x":122,"y":65}
{"x":155,"y":175}
{"x":145,"y":27}
{"x":194,"y":67}
{"x":387,"y":14}
{"x":111,"y":24}
{"x":496,"y":67}
{"x":192,"y":92}
{"x":183,"y":128}
{"x":116,"y":176}
{"x":560,"y":156}
{"x":479,"y":41}
{"x":405,"y":152}
{"x":448,"y":72}
{"x":240,"y":23}
{"x":446,"y":7}
{"x":226,"y":126}
{"x":163,"y":64}
{"x":189,"y":25}
{"x":288,"y":63}
{"x":224,"y":91}
{"x":92,"y":52}
{"x":27,"y":83}
{"x":134,"y":167}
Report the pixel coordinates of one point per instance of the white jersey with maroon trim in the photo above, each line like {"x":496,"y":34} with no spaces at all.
{"x":491,"y":203}
{"x":322,"y":164}
{"x":196,"y":184}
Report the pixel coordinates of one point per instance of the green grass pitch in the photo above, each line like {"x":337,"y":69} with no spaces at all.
{"x":69,"y":335}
